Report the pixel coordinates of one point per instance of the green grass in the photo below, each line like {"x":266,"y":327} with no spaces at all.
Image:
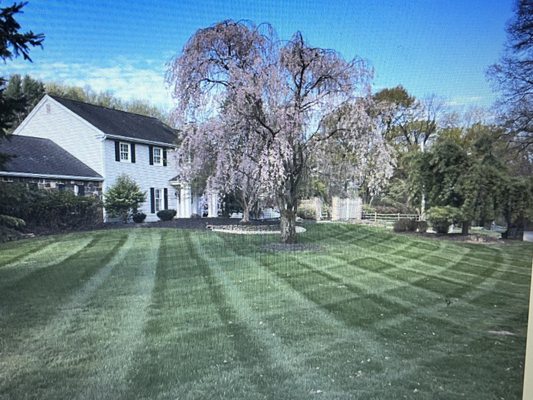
{"x":170,"y":314}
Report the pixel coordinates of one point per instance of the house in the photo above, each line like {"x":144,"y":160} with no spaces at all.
{"x":43,"y":164}
{"x":109,"y":143}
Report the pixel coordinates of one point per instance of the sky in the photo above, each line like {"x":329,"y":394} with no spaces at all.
{"x":429,"y":47}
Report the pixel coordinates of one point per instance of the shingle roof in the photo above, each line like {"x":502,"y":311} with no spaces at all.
{"x":121,"y":123}
{"x":32,"y":155}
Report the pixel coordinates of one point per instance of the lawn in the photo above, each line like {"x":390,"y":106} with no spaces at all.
{"x":184,"y":314}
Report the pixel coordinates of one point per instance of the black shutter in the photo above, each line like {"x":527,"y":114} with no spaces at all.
{"x":152,"y":200}
{"x":151,"y":154}
{"x":165,"y":198}
{"x":132,"y":152}
{"x":164,"y":157}
{"x":117,"y":151}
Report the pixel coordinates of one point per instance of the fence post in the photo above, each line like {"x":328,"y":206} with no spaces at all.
{"x":375,"y":217}
{"x":398,"y":216}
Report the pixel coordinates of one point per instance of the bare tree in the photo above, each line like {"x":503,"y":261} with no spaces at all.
{"x":513,"y":78}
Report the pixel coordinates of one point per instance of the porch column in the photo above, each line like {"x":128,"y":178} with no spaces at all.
{"x":185,"y":201}
{"x":212,"y":204}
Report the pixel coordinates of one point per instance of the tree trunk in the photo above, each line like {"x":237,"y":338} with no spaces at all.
{"x":465,"y":228}
{"x":288,"y":226}
{"x":245,"y":215}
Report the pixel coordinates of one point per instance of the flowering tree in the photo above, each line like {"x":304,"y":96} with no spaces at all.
{"x":280,"y":93}
{"x":358,"y":159}
{"x":223,"y":154}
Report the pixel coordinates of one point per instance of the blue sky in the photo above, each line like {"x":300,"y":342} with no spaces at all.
{"x":430,"y":47}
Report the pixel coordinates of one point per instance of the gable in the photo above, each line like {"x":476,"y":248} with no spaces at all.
{"x":120,"y":123}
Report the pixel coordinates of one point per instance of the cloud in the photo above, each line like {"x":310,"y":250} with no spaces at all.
{"x":459,"y":101}
{"x":125,"y":79}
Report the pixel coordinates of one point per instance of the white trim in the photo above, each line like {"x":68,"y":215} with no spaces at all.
{"x":141,"y":141}
{"x":30,"y":115}
{"x":46,"y":176}
{"x":158,"y":202}
{"x":100,"y":133}
{"x":161,"y":152}
{"x":128,"y":153}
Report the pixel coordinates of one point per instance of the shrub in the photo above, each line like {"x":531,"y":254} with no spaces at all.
{"x":11,"y":222}
{"x":405,"y":225}
{"x":306,"y":212}
{"x":138,"y":217}
{"x":368,"y":209}
{"x":326,"y":210}
{"x":123,"y":198}
{"x":442,"y":217}
{"x":63,"y":210}
{"x":51,"y":210}
{"x":166,"y":215}
{"x":422,"y":226}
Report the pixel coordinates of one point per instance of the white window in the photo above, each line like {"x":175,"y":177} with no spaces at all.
{"x":158,"y":155}
{"x":125,"y":152}
{"x":158,"y":199}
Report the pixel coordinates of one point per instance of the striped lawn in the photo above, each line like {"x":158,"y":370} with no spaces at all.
{"x":178,"y":314}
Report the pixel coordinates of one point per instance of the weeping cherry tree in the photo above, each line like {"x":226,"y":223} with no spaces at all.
{"x":276,"y":95}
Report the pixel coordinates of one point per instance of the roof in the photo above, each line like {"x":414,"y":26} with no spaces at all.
{"x":34,"y":156}
{"x":121,"y":123}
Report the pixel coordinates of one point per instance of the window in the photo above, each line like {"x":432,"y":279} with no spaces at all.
{"x":158,"y":197}
{"x":79,"y":190}
{"x":158,"y":155}
{"x":124,"y":152}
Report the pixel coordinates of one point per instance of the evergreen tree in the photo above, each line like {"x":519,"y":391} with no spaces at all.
{"x":33,"y":91}
{"x":13,"y":43}
{"x":123,"y":198}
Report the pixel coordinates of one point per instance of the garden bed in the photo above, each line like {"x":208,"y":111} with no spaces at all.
{"x":250,"y":229}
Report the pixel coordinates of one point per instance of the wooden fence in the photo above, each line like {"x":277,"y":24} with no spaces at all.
{"x":342,"y":209}
{"x":346,"y":209}
{"x":389,"y":218}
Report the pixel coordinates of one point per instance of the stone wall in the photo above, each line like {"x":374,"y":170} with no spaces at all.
{"x":78,"y":187}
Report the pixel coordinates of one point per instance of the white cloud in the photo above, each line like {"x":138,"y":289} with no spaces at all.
{"x":126,"y":80}
{"x":465,"y":101}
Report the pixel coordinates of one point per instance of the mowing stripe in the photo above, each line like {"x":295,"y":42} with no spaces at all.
{"x":52,"y":254}
{"x":52,"y":336}
{"x":466,"y":298}
{"x":37,"y":297}
{"x":390,"y":304}
{"x":126,"y":315}
{"x":479,"y":284}
{"x":28,"y":247}
{"x":450,"y":248}
{"x":420,"y":281}
{"x":316,"y":319}
{"x":184,"y":339}
{"x":238,"y":318}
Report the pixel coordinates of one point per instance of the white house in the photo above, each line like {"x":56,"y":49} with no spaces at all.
{"x":112,"y":142}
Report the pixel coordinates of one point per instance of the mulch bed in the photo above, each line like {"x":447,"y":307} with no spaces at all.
{"x":457,"y":237}
{"x":246,"y":227}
